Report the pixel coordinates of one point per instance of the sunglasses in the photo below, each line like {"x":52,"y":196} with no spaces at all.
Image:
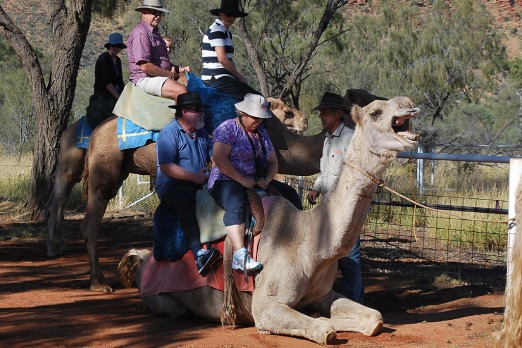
{"x":195,"y":109}
{"x":229,"y":15}
{"x":155,"y":13}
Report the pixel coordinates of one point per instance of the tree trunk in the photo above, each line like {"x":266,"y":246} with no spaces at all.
{"x":69,"y":26}
{"x":331,"y":7}
{"x":254,"y":58}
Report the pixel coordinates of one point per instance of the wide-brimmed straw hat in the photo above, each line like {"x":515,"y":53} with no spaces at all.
{"x":332,"y":101}
{"x":115,"y":39}
{"x":254,"y":105}
{"x":152,"y":5}
{"x":188,"y":99}
{"x":230,"y":7}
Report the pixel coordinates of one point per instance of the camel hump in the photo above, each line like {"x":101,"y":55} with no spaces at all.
{"x":145,"y":110}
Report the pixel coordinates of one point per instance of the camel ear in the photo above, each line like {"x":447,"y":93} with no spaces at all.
{"x":356,"y":114}
{"x":275,"y":103}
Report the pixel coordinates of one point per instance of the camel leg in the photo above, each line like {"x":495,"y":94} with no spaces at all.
{"x":278,"y":318}
{"x":104,"y":176}
{"x":68,"y":173}
{"x":347,"y":315}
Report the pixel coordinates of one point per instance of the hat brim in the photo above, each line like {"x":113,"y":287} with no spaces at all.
{"x":331,"y":106}
{"x":176,"y":106}
{"x":122,"y":46}
{"x":235,"y":13}
{"x":260,"y":115}
{"x":164,"y":10}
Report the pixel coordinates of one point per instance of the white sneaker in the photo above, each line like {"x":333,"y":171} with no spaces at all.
{"x":238,"y":261}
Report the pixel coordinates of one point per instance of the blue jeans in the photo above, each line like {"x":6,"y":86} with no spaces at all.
{"x":353,"y":287}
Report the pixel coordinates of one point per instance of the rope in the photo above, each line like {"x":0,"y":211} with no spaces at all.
{"x":381,"y":183}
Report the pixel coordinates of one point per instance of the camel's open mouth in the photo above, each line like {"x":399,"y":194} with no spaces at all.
{"x":400,"y":123}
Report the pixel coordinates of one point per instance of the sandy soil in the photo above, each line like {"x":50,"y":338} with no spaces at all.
{"x":46,"y":302}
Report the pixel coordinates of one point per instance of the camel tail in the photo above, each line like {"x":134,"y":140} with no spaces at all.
{"x":511,"y":334}
{"x":129,"y":265}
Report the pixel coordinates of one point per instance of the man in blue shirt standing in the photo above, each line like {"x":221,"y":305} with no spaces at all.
{"x":184,"y":150}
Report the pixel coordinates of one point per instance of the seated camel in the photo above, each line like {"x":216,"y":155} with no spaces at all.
{"x":107,"y":167}
{"x":300,"y":249}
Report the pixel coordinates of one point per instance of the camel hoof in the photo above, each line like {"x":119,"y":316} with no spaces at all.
{"x":102,"y":288}
{"x":329,"y":337}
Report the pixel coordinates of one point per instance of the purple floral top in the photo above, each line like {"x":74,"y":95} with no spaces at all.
{"x":241,"y":155}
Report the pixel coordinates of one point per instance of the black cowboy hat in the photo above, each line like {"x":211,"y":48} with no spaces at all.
{"x":332,"y":101}
{"x":229,"y":7}
{"x":188,"y":99}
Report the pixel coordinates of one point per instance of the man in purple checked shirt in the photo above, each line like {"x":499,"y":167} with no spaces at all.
{"x":149,"y":64}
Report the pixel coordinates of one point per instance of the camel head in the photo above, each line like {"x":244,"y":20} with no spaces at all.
{"x":293,"y":119}
{"x":381,"y":123}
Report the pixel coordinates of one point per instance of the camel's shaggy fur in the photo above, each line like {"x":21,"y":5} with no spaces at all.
{"x":300,"y":249}
{"x":511,"y":334}
{"x":296,"y":154}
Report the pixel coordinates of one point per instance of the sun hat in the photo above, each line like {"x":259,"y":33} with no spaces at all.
{"x":188,"y":99}
{"x":152,"y":5}
{"x":115,"y":39}
{"x":254,"y":105}
{"x":332,"y":101}
{"x":230,"y":7}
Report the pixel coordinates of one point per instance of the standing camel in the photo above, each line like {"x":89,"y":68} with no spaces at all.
{"x":300,"y":249}
{"x":107,"y":168}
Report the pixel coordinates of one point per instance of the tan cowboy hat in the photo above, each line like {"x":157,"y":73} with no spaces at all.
{"x":152,"y":5}
{"x":230,"y":8}
{"x":254,"y":105}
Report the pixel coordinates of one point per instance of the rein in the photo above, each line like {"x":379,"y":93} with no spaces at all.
{"x":381,"y":183}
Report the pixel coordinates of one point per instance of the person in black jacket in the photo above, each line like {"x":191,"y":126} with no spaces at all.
{"x":108,"y":81}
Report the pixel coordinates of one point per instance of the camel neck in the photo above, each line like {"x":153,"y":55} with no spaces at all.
{"x":343,"y":211}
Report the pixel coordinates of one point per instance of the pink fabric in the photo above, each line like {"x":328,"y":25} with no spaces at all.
{"x":165,"y":276}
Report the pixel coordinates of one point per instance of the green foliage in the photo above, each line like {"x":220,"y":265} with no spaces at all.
{"x":441,"y":60}
{"x":515,"y":70}
{"x":16,"y":106}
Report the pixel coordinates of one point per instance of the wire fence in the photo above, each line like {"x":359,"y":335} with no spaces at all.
{"x":399,"y":238}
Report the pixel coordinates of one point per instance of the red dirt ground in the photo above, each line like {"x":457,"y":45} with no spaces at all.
{"x":46,"y":302}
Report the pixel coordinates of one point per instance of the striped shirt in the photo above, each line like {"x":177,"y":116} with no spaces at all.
{"x":216,"y":35}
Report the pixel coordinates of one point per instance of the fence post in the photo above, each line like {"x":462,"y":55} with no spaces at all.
{"x":515,"y":171}
{"x":420,"y":171}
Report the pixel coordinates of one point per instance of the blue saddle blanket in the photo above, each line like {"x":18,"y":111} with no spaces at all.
{"x":221,"y":106}
{"x":130,"y":135}
{"x":83,"y":133}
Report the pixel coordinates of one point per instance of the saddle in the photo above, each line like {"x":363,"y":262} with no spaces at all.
{"x":169,"y":243}
{"x":147,"y":111}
